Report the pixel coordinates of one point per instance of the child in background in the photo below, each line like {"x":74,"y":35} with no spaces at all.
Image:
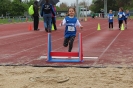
{"x":110,"y":19}
{"x":127,"y":15}
{"x":70,"y":23}
{"x":121,"y":16}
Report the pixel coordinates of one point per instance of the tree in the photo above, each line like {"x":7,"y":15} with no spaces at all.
{"x":63,"y":6}
{"x":84,"y":3}
{"x":4,"y":7}
{"x":17,"y":8}
{"x":112,"y":4}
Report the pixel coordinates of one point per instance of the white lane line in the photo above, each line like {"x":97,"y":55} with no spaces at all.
{"x":2,"y":37}
{"x":44,"y":57}
{"x":110,"y":45}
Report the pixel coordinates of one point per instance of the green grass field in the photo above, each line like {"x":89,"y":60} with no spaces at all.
{"x":16,"y":20}
{"x":6,"y":21}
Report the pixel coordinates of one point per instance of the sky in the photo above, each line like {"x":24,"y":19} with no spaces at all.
{"x":71,"y":1}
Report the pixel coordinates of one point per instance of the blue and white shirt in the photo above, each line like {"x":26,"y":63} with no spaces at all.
{"x":127,"y":15}
{"x":110,"y":17}
{"x":70,"y":23}
{"x":121,"y":16}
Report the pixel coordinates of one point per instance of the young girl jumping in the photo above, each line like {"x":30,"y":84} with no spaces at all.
{"x":70,"y":23}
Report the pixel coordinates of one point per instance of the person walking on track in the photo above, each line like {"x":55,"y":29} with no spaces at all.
{"x":46,"y":13}
{"x":54,"y":19}
{"x":36,"y":16}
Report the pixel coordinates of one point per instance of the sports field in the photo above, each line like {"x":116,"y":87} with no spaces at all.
{"x":109,"y":64}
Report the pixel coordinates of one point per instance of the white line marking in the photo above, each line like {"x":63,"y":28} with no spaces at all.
{"x":42,"y":57}
{"x":110,"y":45}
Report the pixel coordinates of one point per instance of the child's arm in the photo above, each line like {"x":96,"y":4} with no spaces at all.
{"x":129,"y":16}
{"x":63,"y":22}
{"x":78,"y":24}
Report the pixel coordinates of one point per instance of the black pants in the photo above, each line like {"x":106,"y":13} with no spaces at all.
{"x":110,"y":24}
{"x":120,"y":23}
{"x":54,"y":23}
{"x":36,"y":22}
{"x":69,"y":41}
{"x":125,"y":21}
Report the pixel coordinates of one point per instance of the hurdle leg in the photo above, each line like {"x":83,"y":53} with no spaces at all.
{"x":78,"y":54}
{"x":49,"y":47}
{"x":80,"y":48}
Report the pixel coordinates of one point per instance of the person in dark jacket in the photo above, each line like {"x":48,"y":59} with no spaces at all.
{"x":46,"y":13}
{"x":36,"y":16}
{"x":54,"y":18}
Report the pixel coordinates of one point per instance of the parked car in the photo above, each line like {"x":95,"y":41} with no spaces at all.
{"x":1,"y":17}
{"x":62,"y":14}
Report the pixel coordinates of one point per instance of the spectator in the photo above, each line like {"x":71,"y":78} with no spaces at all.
{"x":127,"y":15}
{"x":36,"y":16}
{"x":46,"y":13}
{"x":121,"y":16}
{"x":54,"y":18}
{"x":110,"y":19}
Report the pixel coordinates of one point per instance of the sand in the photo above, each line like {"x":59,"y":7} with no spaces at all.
{"x":69,"y":77}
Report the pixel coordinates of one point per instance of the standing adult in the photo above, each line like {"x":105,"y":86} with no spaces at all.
{"x":46,"y":13}
{"x":54,"y":18}
{"x":36,"y":16}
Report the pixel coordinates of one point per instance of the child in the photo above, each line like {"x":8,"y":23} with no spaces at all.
{"x":127,"y":15}
{"x":121,"y":15}
{"x":110,"y":19}
{"x":70,"y":22}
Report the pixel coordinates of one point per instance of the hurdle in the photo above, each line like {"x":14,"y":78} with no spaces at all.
{"x":75,"y":56}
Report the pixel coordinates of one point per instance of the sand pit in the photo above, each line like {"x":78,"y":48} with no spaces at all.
{"x":70,"y":77}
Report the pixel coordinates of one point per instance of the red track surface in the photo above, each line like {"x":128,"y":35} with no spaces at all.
{"x":19,"y":46}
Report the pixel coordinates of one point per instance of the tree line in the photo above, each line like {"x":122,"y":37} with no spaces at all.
{"x":19,"y":7}
{"x":114,"y":5}
{"x":14,"y":7}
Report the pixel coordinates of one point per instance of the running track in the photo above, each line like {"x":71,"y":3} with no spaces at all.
{"x":20,"y":46}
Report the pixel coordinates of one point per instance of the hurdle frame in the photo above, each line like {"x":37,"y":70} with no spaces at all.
{"x":78,"y":54}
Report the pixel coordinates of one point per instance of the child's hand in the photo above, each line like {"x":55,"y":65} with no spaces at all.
{"x":81,"y":27}
{"x":61,"y":24}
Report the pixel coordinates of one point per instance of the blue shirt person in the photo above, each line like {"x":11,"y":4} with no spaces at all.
{"x":70,"y":23}
{"x":110,"y":19}
{"x":46,"y":13}
{"x":121,"y":16}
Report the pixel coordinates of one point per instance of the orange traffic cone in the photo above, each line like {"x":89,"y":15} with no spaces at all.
{"x":30,"y":27}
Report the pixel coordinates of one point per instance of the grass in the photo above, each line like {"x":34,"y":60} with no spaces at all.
{"x":6,"y":21}
{"x":17,"y":20}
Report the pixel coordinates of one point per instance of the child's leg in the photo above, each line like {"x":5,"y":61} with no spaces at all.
{"x":112,"y":24}
{"x":71,"y":43}
{"x":120,"y":23}
{"x":65,"y":44}
{"x":109,"y":25}
{"x":125,"y":23}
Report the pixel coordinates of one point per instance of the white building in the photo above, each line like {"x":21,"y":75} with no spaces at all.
{"x":84,"y":12}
